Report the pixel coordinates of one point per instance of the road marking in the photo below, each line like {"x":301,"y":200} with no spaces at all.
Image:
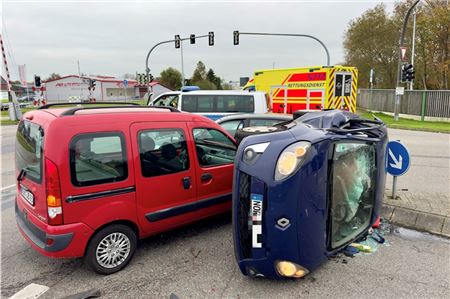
{"x":7,"y":187}
{"x":30,"y":291}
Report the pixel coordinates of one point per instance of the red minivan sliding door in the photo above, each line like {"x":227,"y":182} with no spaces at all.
{"x":165,"y":174}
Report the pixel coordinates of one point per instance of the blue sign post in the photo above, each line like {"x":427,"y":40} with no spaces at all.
{"x":397,"y":161}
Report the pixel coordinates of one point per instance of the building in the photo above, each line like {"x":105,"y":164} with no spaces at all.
{"x":75,"y":88}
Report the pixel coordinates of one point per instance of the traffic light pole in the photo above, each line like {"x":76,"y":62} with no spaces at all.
{"x":293,"y":35}
{"x":147,"y":69}
{"x":399,"y":65}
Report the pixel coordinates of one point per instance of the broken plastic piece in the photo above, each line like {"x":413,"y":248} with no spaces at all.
{"x":377,"y":223}
{"x":350,"y":251}
{"x":377,"y":237}
{"x":361,"y":247}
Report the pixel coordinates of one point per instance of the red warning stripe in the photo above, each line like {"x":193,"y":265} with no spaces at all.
{"x":320,"y":76}
{"x":294,"y":93}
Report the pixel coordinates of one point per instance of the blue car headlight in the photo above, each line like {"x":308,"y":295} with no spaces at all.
{"x":252,"y":152}
{"x":291,"y":159}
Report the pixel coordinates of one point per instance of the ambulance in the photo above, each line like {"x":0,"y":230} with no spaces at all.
{"x":308,"y":88}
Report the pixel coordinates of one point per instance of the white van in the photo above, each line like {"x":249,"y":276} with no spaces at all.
{"x":214,"y":104}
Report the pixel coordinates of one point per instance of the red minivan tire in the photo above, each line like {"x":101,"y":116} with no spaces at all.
{"x":111,"y":249}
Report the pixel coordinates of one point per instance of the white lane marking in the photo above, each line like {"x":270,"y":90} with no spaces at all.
{"x":7,"y":187}
{"x":31,"y":291}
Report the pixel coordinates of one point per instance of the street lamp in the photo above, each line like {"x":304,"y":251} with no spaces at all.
{"x":177,"y":42}
{"x":399,"y":65}
{"x":236,"y":35}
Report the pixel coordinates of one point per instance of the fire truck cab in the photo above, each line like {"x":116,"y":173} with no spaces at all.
{"x":308,"y":88}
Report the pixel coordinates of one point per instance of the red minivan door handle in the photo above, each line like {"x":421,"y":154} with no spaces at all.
{"x":206,"y":177}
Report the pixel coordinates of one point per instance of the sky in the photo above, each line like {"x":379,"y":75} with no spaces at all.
{"x":114,"y":37}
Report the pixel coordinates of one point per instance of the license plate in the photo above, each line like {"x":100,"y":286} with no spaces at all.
{"x":256,"y":219}
{"x":27,"y":195}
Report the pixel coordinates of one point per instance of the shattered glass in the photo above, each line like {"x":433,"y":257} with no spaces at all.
{"x":353,"y":194}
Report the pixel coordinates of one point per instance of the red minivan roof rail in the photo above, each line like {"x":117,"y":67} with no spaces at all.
{"x":117,"y":105}
{"x":87,"y":103}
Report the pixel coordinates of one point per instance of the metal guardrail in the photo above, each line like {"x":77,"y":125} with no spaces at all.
{"x":423,"y":103}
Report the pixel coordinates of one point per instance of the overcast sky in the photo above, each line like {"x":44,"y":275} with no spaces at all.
{"x":113,"y":37}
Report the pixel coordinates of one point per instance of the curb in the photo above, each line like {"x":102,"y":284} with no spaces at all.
{"x":417,"y":220}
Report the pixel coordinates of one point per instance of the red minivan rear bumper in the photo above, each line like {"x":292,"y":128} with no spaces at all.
{"x":62,"y":241}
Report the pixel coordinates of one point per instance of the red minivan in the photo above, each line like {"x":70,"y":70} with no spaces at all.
{"x":92,"y":180}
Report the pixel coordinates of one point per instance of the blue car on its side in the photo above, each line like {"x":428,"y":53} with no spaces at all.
{"x":306,"y":191}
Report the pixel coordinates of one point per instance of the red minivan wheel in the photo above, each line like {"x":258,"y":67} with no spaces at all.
{"x":111,"y":249}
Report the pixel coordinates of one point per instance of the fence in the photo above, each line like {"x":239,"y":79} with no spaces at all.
{"x":423,"y":103}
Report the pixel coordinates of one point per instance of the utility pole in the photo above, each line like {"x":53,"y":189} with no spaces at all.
{"x":399,"y":66}
{"x":413,"y":48}
{"x":182,"y":64}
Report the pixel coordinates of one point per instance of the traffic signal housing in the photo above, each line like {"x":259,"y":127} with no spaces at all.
{"x":211,"y":38}
{"x":410,"y":73}
{"x":407,"y":73}
{"x":177,"y":41}
{"x":192,"y":38}
{"x":236,"y":37}
{"x":37,"y":81}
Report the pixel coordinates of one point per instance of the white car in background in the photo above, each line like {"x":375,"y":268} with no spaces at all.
{"x":214,"y":104}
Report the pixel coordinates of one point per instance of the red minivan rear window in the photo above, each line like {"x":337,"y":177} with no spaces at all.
{"x":29,"y":148}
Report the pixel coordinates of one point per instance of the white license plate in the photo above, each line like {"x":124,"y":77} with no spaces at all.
{"x":256,"y":211}
{"x":27,"y":195}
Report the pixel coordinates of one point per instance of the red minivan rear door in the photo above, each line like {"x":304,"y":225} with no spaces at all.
{"x":30,"y":168}
{"x":165,"y":175}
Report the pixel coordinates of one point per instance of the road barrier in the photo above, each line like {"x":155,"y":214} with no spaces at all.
{"x":421,"y":103}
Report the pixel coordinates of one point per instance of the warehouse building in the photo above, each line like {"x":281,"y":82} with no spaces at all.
{"x":75,"y":89}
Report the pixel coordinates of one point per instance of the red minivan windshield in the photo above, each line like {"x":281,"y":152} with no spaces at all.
{"x":29,"y":148}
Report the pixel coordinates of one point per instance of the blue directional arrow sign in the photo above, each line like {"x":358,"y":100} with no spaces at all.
{"x":125,"y":83}
{"x":398,"y":158}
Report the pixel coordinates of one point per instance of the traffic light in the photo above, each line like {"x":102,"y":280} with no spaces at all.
{"x":192,"y":38}
{"x":211,"y":38}
{"x":37,"y":81}
{"x":138,"y":78}
{"x":410,"y":73}
{"x":177,"y":41}
{"x":151,"y":78}
{"x":92,"y":83}
{"x":407,"y":73}
{"x":236,"y":37}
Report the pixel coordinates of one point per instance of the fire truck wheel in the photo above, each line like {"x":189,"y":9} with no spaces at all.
{"x":248,"y":131}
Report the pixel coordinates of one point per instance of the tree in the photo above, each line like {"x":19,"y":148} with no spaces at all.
{"x":199,"y":73}
{"x":211,"y":77}
{"x":171,"y":78}
{"x":53,"y":76}
{"x":432,"y":44}
{"x":205,"y":84}
{"x":371,"y":41}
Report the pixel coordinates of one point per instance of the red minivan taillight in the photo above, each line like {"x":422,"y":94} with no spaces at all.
{"x":53,"y":193}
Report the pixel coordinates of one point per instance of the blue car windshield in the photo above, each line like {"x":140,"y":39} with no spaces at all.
{"x":353,"y":190}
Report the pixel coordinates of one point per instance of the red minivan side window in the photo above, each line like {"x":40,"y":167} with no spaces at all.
{"x":213,"y":147}
{"x":29,"y":149}
{"x":98,"y":158}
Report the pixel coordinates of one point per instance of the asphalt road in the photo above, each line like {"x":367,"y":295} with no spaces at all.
{"x":198,"y":261}
{"x":430,"y":162}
